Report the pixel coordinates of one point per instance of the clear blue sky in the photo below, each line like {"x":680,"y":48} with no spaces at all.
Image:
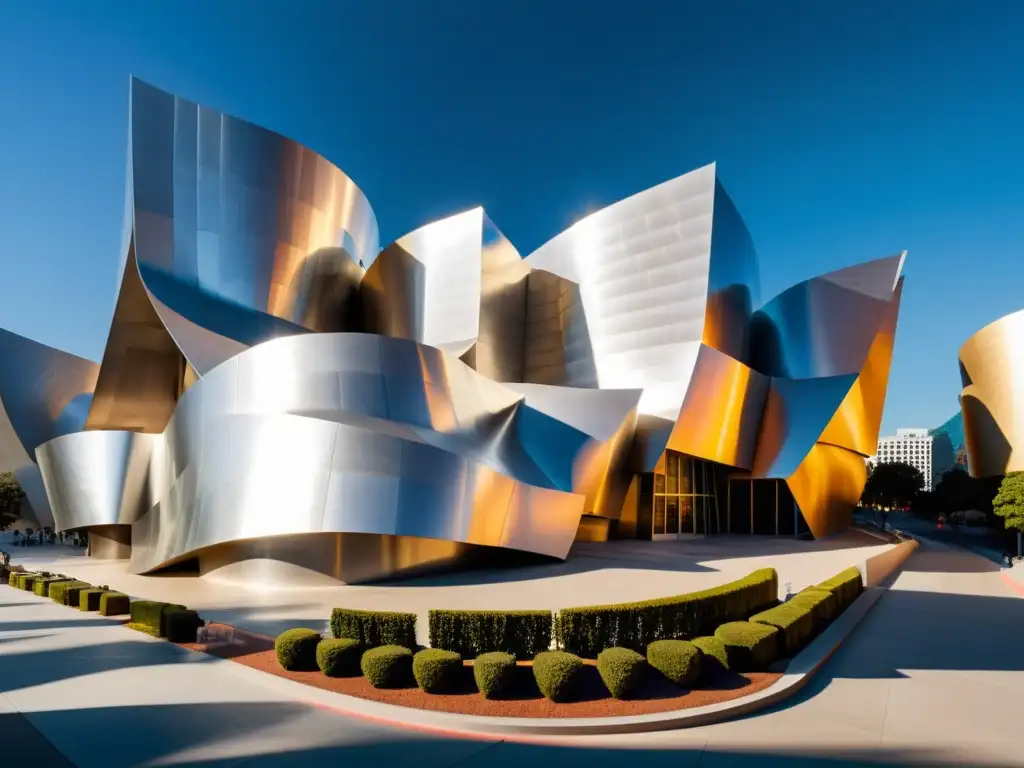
{"x":843,"y":131}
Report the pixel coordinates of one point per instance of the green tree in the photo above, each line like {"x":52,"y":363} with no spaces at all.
{"x":957,"y":491}
{"x":1009,"y":504}
{"x":11,"y":496}
{"x":892,"y":486}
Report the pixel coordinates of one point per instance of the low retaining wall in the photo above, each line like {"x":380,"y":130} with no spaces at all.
{"x":877,"y":569}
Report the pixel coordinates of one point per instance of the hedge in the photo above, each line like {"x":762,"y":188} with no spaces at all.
{"x":523,"y":634}
{"x":437,"y":671}
{"x":41,"y":587}
{"x":589,"y":630}
{"x":794,"y":620}
{"x":89,"y":599}
{"x":296,"y":649}
{"x":822,"y":602}
{"x":713,"y":656}
{"x":114,"y":604}
{"x":389,"y":666}
{"x":375,"y":628}
{"x":339,"y":657}
{"x":72,"y":593}
{"x":678,"y":660}
{"x":621,"y":670}
{"x":152,"y":614}
{"x":749,"y":647}
{"x":846,"y":585}
{"x":494,"y":673}
{"x":59,"y":590}
{"x":181,"y":624}
{"x":557,"y":674}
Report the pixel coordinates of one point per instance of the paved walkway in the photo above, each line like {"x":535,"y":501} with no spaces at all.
{"x":615,"y":571}
{"x":934,"y":676}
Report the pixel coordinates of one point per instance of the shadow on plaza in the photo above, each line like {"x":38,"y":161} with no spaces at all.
{"x":257,"y":735}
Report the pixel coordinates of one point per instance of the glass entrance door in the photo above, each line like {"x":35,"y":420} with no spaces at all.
{"x":684,"y":496}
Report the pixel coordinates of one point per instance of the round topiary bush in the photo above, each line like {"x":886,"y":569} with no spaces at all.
{"x":557,"y":674}
{"x":389,"y":666}
{"x":339,"y":657}
{"x":622,"y":671}
{"x":296,"y":649}
{"x":678,"y":660}
{"x":436,"y":671}
{"x":713,"y":658}
{"x":494,"y":673}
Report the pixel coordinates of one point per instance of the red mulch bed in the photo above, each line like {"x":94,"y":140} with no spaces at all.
{"x":524,"y":700}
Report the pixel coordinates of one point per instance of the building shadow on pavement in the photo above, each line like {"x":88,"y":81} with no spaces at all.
{"x":276,"y":735}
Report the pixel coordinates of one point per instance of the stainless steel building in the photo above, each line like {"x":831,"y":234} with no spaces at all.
{"x":263,"y":398}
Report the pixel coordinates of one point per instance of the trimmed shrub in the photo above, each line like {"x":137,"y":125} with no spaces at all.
{"x":557,"y":674}
{"x":181,"y":625}
{"x":749,"y":647}
{"x":296,"y":649}
{"x":823,"y":603}
{"x":89,"y":599}
{"x":73,"y":591}
{"x":41,"y":586}
{"x":59,"y":589}
{"x":589,"y":630}
{"x":437,"y":670}
{"x":339,"y":657}
{"x":622,"y":671}
{"x":846,"y":585}
{"x":713,"y":657}
{"x":678,"y":660}
{"x":375,"y":628}
{"x":389,"y":666}
{"x":494,"y":673}
{"x":793,"y":619}
{"x":524,"y":634}
{"x":152,"y":613}
{"x":27,"y":580}
{"x":114,"y":604}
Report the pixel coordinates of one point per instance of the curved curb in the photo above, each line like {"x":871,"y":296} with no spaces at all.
{"x":803,"y":666}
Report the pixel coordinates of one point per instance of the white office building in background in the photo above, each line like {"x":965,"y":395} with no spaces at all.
{"x":911,"y":446}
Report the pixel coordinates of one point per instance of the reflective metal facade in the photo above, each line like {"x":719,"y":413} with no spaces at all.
{"x":992,"y":400}
{"x":262,"y":396}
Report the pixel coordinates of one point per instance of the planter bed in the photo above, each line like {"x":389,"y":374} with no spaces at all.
{"x":593,"y":700}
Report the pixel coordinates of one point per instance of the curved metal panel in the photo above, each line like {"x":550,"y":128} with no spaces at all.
{"x":41,"y":394}
{"x":242,"y":213}
{"x":796,"y":414}
{"x":858,"y":420}
{"x":733,"y":281}
{"x":825,"y":326}
{"x":642,"y":266}
{"x":31,"y":481}
{"x":992,"y":400}
{"x":96,"y":478}
{"x":456,"y":284}
{"x":827,"y":486}
{"x":722,"y":411}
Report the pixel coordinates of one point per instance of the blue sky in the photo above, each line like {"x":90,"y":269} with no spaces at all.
{"x":842,"y":130}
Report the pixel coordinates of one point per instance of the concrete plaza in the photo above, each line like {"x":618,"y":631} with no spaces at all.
{"x":594,"y":573}
{"x":933,"y":676}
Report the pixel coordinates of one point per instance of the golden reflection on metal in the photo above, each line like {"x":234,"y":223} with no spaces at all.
{"x":141,"y":373}
{"x":859,"y":419}
{"x":992,"y":400}
{"x":827,"y":486}
{"x":722,"y":411}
